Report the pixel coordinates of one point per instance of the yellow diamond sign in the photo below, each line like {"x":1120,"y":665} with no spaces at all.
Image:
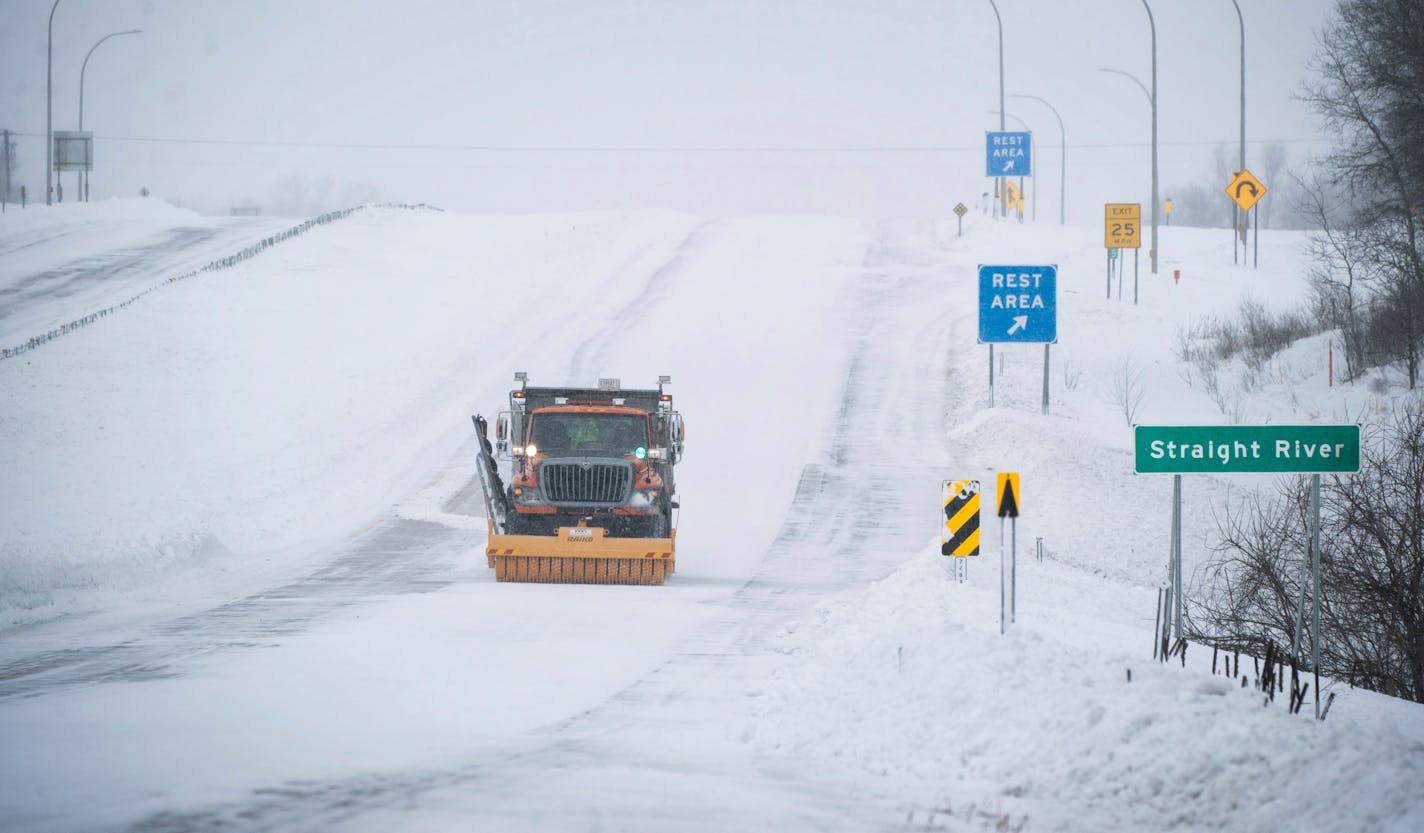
{"x":1246,"y":190}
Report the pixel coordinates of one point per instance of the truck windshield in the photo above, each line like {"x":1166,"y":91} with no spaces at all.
{"x":617,"y":434}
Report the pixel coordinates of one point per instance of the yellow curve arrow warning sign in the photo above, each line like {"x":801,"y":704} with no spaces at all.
{"x":1246,"y":190}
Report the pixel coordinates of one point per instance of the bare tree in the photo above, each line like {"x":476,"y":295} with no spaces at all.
{"x":1273,"y":165}
{"x":1371,"y":560}
{"x":1337,"y":276}
{"x":1370,"y":92}
{"x":1127,"y":389}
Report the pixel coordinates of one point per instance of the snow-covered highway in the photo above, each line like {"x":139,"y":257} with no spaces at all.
{"x":242,"y":582}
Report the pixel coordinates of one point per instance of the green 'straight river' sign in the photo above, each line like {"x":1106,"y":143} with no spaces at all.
{"x":1247,"y":449}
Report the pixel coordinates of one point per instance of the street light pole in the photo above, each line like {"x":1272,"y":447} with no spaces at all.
{"x":1240,"y":230}
{"x":49,"y":107}
{"x":1152,"y":100}
{"x":84,"y":188}
{"x":1062,"y":154}
{"x":1155,"y":201}
{"x":1135,"y":80}
{"x":999,"y":181}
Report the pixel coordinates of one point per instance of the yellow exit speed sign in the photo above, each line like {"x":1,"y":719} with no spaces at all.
{"x":1122,"y":226}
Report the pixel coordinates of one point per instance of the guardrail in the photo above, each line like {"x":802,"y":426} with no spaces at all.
{"x":221,"y":263}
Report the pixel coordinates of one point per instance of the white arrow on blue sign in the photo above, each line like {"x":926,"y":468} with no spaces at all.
{"x":1018,"y":304}
{"x":1008,"y":153}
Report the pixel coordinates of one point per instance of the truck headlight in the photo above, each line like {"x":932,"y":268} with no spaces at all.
{"x":526,"y":494}
{"x":644,"y":498}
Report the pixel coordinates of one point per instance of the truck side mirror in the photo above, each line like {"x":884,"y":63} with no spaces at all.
{"x":501,"y":433}
{"x":679,"y":431}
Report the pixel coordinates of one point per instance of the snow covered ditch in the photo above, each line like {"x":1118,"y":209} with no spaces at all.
{"x":910,"y":683}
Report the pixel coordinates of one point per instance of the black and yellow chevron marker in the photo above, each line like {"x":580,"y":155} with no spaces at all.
{"x":961,"y":518}
{"x":1008,"y":494}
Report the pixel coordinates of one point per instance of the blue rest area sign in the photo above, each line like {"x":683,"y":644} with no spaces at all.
{"x":1018,"y":304}
{"x":1008,"y":153}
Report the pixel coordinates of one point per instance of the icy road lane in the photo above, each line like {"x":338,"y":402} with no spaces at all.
{"x":394,"y":684}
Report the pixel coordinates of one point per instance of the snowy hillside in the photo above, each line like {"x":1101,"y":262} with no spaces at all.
{"x":242,"y":577}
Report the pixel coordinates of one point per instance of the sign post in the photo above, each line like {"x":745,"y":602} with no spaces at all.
{"x":1250,"y":449}
{"x":960,"y":211}
{"x":1018,"y":304}
{"x":1246,"y":190}
{"x":73,"y":151}
{"x":1008,"y":507}
{"x":1122,"y":229}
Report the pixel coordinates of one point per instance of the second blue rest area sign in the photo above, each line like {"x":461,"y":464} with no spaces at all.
{"x":1008,"y":153}
{"x":1018,"y":304}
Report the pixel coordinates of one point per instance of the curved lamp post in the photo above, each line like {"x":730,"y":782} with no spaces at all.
{"x":1062,"y":155}
{"x":1240,"y":230}
{"x":999,"y":182}
{"x":1156,"y":203}
{"x":84,"y":187}
{"x":1151,"y":100}
{"x":49,"y":109}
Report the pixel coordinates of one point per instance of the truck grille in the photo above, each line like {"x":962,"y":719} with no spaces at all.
{"x":586,"y":483}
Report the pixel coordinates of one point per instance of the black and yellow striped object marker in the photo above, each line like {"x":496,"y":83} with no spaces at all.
{"x":961,"y":518}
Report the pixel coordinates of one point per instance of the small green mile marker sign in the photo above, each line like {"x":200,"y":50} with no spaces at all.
{"x":1247,"y":449}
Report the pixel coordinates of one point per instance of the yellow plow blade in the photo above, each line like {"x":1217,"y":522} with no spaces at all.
{"x":580,"y":555}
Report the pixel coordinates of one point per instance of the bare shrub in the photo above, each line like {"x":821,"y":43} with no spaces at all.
{"x":1128,"y":389}
{"x":1371,"y":562}
{"x":1255,"y":335}
{"x":1264,"y":334}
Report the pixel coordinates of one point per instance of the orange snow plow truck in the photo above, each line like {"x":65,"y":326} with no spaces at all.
{"x":590,"y":497}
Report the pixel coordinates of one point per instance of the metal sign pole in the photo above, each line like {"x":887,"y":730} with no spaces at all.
{"x":1245,"y":233}
{"x":1306,"y":572}
{"x":1256,"y":244}
{"x":1109,"y":274}
{"x":1045,"y":378}
{"x":1002,"y":591}
{"x":1134,"y":277}
{"x":1315,"y":580}
{"x":1175,"y":567}
{"x":991,"y":374}
{"x":1014,"y":575}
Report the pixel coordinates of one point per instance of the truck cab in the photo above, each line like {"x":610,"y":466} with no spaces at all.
{"x":601,"y":457}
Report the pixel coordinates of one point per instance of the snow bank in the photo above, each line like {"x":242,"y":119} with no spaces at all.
{"x":909,"y":681}
{"x":64,"y":215}
{"x":909,"y":686}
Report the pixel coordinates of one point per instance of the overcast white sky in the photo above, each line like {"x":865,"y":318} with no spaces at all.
{"x":840,"y":106}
